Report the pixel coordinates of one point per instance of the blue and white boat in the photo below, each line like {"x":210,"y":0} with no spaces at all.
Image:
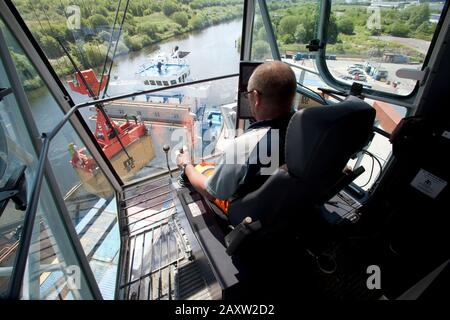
{"x":163,"y":70}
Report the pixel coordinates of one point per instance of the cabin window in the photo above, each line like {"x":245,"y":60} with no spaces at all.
{"x":172,"y":82}
{"x":368,"y":43}
{"x":74,"y":189}
{"x":180,"y":80}
{"x":159,"y":83}
{"x":260,"y":50}
{"x":387,"y":117}
{"x":152,"y":82}
{"x":216,"y":25}
{"x":165,"y":83}
{"x":146,"y":82}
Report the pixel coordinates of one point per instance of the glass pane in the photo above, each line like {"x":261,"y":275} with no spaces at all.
{"x":205,"y":32}
{"x":295,"y":25}
{"x":260,"y":43}
{"x":86,"y":193}
{"x":53,"y":271}
{"x":45,"y":252}
{"x":387,"y":117}
{"x":16,"y":151}
{"x":191,"y":115}
{"x":375,"y":40}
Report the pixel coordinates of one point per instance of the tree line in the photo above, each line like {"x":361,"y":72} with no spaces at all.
{"x":295,"y":23}
{"x":146,"y":22}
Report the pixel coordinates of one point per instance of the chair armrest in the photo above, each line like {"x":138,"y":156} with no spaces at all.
{"x":239,"y":233}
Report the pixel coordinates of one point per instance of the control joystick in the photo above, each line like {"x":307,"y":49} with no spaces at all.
{"x":183,"y":179}
{"x":166,"y":149}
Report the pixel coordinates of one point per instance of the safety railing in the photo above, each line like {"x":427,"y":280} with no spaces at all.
{"x":30,"y":214}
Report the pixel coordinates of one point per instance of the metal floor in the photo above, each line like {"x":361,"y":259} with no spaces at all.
{"x":159,"y":264}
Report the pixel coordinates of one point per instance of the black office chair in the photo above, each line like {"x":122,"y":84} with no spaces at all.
{"x":319,"y":143}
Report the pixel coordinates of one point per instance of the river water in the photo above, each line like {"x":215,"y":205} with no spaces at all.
{"x":213,"y":52}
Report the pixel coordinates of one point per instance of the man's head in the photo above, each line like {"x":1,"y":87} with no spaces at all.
{"x":272,"y":89}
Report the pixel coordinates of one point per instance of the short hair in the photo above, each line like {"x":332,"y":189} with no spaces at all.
{"x":276,"y":82}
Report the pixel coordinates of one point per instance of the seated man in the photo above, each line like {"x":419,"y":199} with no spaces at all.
{"x":249,"y":160}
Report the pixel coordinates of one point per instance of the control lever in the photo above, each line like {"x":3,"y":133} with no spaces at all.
{"x":183,"y":179}
{"x":166,"y":149}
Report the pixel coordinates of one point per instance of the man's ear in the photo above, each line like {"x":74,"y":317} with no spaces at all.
{"x":257,"y":98}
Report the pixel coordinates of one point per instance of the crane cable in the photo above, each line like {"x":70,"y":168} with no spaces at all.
{"x":90,"y":10}
{"x":98,"y":105}
{"x":115,"y":47}
{"x":91,"y":92}
{"x":57,"y":62}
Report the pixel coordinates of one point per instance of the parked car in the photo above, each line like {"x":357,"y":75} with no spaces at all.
{"x":380,"y":75}
{"x":356,"y":71}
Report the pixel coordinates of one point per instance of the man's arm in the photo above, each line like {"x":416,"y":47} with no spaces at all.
{"x":197,"y":180}
{"x":222,"y":184}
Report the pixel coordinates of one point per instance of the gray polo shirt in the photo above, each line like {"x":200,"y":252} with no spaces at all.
{"x":231,"y":169}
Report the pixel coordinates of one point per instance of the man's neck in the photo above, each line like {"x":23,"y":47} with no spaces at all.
{"x":271,"y":116}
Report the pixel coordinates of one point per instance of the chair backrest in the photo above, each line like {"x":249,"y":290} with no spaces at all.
{"x":319,"y":143}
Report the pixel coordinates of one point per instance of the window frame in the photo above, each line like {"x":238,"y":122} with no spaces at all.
{"x":405,"y":101}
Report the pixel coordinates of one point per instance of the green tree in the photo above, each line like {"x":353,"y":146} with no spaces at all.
{"x":288,"y":25}
{"x":137,"y":42}
{"x":345,"y":26}
{"x":262,"y":35}
{"x":181,"y":18}
{"x":260,"y":50}
{"x":95,"y":54}
{"x":339,"y":48}
{"x":199,"y":21}
{"x":332,"y":30}
{"x":26,"y":71}
{"x":51,"y":47}
{"x":399,"y":29}
{"x":136,"y":8}
{"x":425,"y":31}
{"x":97,"y":21}
{"x":169,"y":8}
{"x":102,"y":10}
{"x":301,"y":34}
{"x":155,"y":7}
{"x":420,"y":15}
{"x":147,"y":28}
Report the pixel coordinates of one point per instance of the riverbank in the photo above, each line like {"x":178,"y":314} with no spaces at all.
{"x":64,"y":68}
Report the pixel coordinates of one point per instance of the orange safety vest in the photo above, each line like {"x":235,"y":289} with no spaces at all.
{"x":206,"y":168}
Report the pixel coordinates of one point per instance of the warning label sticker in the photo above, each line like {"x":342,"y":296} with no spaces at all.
{"x":428,"y":183}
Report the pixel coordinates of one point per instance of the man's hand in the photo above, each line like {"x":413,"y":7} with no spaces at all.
{"x":196,"y":179}
{"x":183,"y":158}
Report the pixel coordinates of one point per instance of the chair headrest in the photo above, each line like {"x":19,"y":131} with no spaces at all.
{"x":320,"y":140}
